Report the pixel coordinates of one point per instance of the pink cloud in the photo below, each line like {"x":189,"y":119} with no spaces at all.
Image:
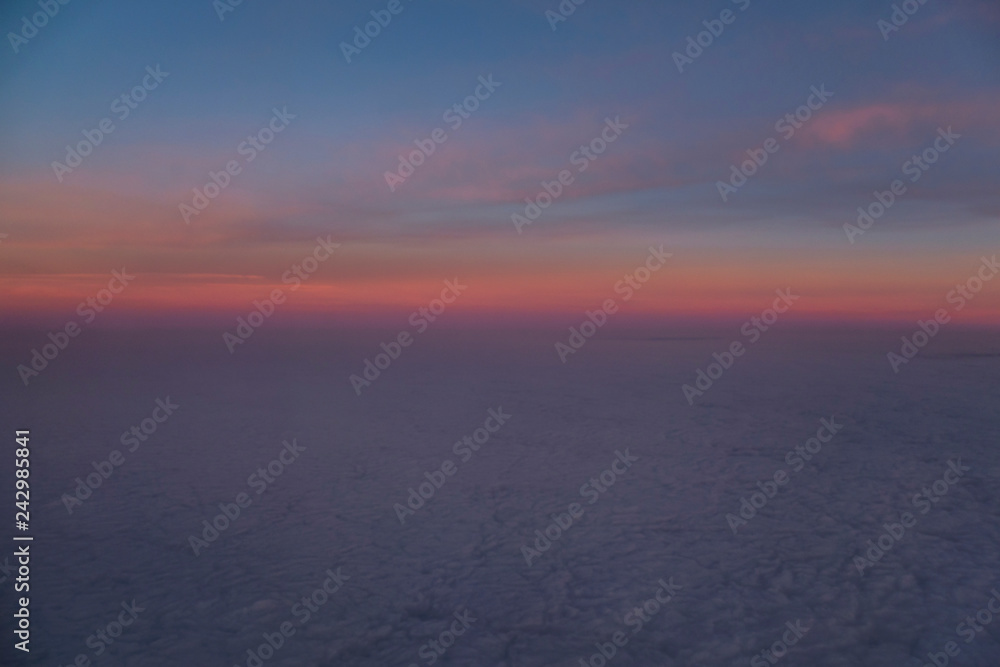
{"x":894,"y":123}
{"x":843,"y":128}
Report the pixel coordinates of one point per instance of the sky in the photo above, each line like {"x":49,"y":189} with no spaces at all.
{"x":685,"y":115}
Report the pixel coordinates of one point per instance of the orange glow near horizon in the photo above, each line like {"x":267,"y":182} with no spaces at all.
{"x":696,"y":283}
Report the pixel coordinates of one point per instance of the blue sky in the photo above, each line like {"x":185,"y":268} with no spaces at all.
{"x":353,"y":120}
